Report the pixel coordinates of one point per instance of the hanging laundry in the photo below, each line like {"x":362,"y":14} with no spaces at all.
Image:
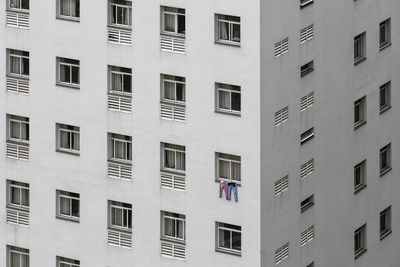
{"x":223,"y":186}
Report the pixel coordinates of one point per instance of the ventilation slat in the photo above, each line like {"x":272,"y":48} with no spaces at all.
{"x":18,"y":217}
{"x":173,"y":44}
{"x":281,"y":185}
{"x":120,"y":103}
{"x":120,"y":36}
{"x":119,"y":239}
{"x":172,"y":181}
{"x":119,"y":171}
{"x":281,"y":116}
{"x":173,"y":251}
{"x":307,"y":34}
{"x":281,"y":47}
{"x":172,"y":112}
{"x":17,"y":151}
{"x":281,"y":253}
{"x":17,"y":19}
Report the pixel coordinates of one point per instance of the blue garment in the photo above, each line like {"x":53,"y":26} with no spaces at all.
{"x":232,"y":187}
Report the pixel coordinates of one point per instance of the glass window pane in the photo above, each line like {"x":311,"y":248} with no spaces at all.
{"x":180,"y":161}
{"x":180,"y":229}
{"x":169,"y":22}
{"x":15,"y":196}
{"x":15,"y":63}
{"x":223,"y":32}
{"x":235,"y":101}
{"x":24,"y":261}
{"x":236,"y":241}
{"x":65,"y":73}
{"x":116,"y":217}
{"x":25,"y":131}
{"x":25,"y":197}
{"x":15,"y":129}
{"x":65,"y":206}
{"x":169,"y":159}
{"x":25,"y":4}
{"x":235,"y":171}
{"x":65,"y":7}
{"x":180,"y":92}
{"x":15,"y":3}
{"x":75,"y":141}
{"x":116,"y":82}
{"x":169,"y":90}
{"x":181,"y":24}
{"x":236,"y":32}
{"x":75,"y":75}
{"x":25,"y":66}
{"x":75,"y":207}
{"x":224,"y":171}
{"x":65,"y":141}
{"x":15,"y":259}
{"x":119,"y":150}
{"x":224,"y":239}
{"x":127,"y":84}
{"x":169,"y":227}
{"x":224,"y":100}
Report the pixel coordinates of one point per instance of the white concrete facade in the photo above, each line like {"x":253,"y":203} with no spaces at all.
{"x":267,"y":152}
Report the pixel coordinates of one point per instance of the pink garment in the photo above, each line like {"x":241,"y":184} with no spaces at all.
{"x":223,"y":186}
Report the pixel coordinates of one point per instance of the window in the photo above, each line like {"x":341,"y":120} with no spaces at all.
{"x":307,"y":236}
{"x":173,"y":21}
{"x":281,"y":185}
{"x":228,"y":98}
{"x":306,"y":136}
{"x":307,"y":101}
{"x":304,"y":3}
{"x":227,"y":29}
{"x":359,"y":48}
{"x":120,"y":215}
{"x":120,"y":80}
{"x":229,"y":238}
{"x":120,"y":13}
{"x":360,"y":241}
{"x":307,"y":34}
{"x":18,"y":195}
{"x":384,"y":34}
{"x":307,"y":203}
{"x":20,"y":5}
{"x":360,"y":176}
{"x":68,"y":138}
{"x":173,"y":89}
{"x":385,"y":224}
{"x":17,"y":257}
{"x":307,"y":168}
{"x":228,"y":167}
{"x":67,"y":205}
{"x":68,"y":72}
{"x":311,"y":264}
{"x":307,"y":68}
{"x":65,"y":262}
{"x":18,"y":128}
{"x":281,"y":253}
{"x":281,"y":47}
{"x":384,"y":97}
{"x":281,"y":116}
{"x":18,"y":63}
{"x":68,"y":9}
{"x":120,"y":147}
{"x":173,"y":158}
{"x":173,"y":226}
{"x":359,"y":112}
{"x":385,"y":159}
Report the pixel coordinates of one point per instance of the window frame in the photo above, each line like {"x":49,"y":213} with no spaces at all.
{"x":361,"y":104}
{"x":74,"y":138}
{"x":17,"y":250}
{"x":20,"y":9}
{"x":70,"y":196}
{"x":386,"y":89}
{"x":68,"y":17}
{"x":67,"y":262}
{"x":233,"y":89}
{"x":307,"y":68}
{"x":123,"y":73}
{"x":387,"y":34}
{"x":221,"y":18}
{"x":173,"y":80}
{"x":310,"y":202}
{"x":175,"y":151}
{"x":20,"y":120}
{"x":176,"y":217}
{"x":22,"y":187}
{"x":387,"y":213}
{"x":124,"y":207}
{"x":127,"y":143}
{"x":110,"y":13}
{"x":362,"y":170}
{"x":70,"y":66}
{"x":176,"y":13}
{"x":13,"y":53}
{"x":229,"y":228}
{"x":304,"y":3}
{"x":361,"y":231}
{"x":225,"y":157}
{"x":387,"y":150}
{"x":360,"y":48}
{"x":307,"y":136}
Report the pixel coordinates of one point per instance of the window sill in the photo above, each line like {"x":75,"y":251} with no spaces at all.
{"x":120,"y":161}
{"x":385,"y":234}
{"x":183,"y":174}
{"x":233,"y":44}
{"x":72,"y":19}
{"x":121,"y":27}
{"x":359,"y":188}
{"x":120,"y":230}
{"x":18,"y":142}
{"x":18,"y":208}
{"x":359,"y":60}
{"x":383,"y":172}
{"x":384,"y":108}
{"x":68,"y":152}
{"x":21,"y":77}
{"x":173,"y":240}
{"x":179,"y":36}
{"x":359,"y":253}
{"x":24,"y":11}
{"x":384,"y":45}
{"x":359,"y":124}
{"x":227,"y":112}
{"x":230,"y":252}
{"x":65,"y":218}
{"x":126,"y":95}
{"x":68,"y":85}
{"x":306,"y":4}
{"x":166,"y":102}
{"x":238,"y":183}
{"x":306,"y":207}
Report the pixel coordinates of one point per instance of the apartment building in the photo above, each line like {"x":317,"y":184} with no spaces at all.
{"x":192,"y":133}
